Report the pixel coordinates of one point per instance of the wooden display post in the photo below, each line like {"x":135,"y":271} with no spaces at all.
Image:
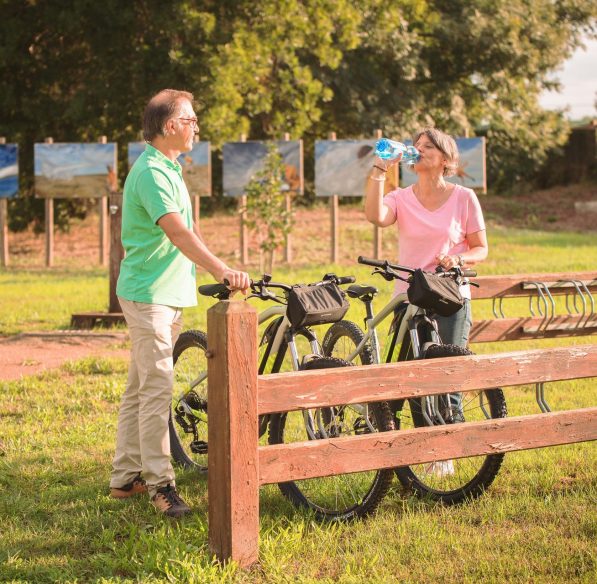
{"x":3,"y":225}
{"x":49,"y":222}
{"x":103,"y":220}
{"x":377,"y":237}
{"x":244,"y":232}
{"x":334,"y":220}
{"x":287,"y":243}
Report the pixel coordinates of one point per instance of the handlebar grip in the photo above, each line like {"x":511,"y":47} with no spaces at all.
{"x":468,"y":273}
{"x":346,"y":280}
{"x":371,"y":262}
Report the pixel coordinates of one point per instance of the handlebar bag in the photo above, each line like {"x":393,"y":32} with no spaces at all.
{"x":433,"y":292}
{"x":316,"y":304}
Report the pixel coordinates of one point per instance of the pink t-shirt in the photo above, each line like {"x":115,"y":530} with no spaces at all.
{"x":423,"y":234}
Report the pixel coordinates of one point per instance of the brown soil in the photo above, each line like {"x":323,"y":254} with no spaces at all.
{"x":552,"y":210}
{"x":31,"y":353}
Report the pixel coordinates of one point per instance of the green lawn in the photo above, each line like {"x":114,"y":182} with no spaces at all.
{"x":537,"y":523}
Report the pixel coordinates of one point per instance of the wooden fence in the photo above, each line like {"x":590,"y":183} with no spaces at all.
{"x":238,"y":466}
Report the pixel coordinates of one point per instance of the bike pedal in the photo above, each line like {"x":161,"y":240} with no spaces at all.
{"x":198,"y":447}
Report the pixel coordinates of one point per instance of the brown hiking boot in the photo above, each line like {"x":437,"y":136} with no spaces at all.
{"x":137,"y":485}
{"x":168,"y":502}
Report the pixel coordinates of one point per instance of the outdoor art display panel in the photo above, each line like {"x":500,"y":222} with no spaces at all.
{"x":74,"y":170}
{"x":242,"y":160}
{"x":9,"y":170}
{"x":342,"y":167}
{"x":196,"y":166}
{"x":471,"y":168}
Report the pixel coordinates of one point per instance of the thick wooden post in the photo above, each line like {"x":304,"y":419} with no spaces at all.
{"x":233,"y":483}
{"x":376,"y":229}
{"x":102,"y":209}
{"x":49,"y":223}
{"x":334,"y":221}
{"x":116,"y":249}
{"x":244,"y":232}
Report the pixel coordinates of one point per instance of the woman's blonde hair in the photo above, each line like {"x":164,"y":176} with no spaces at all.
{"x":445,"y":144}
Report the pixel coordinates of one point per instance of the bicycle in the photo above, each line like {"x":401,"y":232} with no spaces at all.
{"x":330,"y":498}
{"x":450,"y":481}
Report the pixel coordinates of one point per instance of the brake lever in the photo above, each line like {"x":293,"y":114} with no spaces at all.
{"x":383,"y":273}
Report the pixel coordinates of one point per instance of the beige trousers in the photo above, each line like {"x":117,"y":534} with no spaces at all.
{"x":142,"y":439}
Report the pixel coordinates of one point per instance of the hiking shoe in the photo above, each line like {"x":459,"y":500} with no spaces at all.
{"x":136,"y":486}
{"x":168,"y":502}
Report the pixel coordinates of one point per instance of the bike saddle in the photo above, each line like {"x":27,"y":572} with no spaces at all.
{"x":358,"y":291}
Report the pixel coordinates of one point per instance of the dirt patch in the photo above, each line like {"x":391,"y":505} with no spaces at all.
{"x":31,"y":353}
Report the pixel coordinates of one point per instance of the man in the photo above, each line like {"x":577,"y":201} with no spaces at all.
{"x":157,"y":280}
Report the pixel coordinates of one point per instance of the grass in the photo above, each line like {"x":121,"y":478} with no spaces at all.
{"x":537,"y":523}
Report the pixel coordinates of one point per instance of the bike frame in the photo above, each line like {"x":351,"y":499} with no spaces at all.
{"x":412,"y":316}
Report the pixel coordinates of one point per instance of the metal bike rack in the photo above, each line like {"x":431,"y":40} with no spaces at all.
{"x":543,"y":294}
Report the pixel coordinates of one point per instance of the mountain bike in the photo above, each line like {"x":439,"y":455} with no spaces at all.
{"x":282,"y":347}
{"x":413,"y":334}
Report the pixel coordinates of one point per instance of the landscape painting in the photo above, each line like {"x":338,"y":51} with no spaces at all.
{"x":9,"y":170}
{"x":242,"y":160}
{"x":196,"y":166}
{"x":342,"y":167}
{"x":74,"y":170}
{"x":471,"y":169}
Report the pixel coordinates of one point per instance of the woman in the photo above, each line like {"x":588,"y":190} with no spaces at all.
{"x":439,"y":223}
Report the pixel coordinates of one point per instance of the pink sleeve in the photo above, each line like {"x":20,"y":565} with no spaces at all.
{"x":475,"y":220}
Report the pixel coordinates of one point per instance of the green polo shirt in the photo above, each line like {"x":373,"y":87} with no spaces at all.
{"x":155,"y":271}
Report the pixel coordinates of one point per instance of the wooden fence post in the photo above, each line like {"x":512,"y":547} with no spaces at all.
{"x":334,"y":220}
{"x":116,"y":249}
{"x":233,"y":481}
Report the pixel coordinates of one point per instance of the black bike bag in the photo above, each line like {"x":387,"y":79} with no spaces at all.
{"x":316,"y":304}
{"x":442,"y":295}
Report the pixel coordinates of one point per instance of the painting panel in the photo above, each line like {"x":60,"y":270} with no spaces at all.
{"x":196,"y":166}
{"x":73,"y":170}
{"x":471,"y":171}
{"x":342,"y":167}
{"x":9,"y":170}
{"x":242,"y":160}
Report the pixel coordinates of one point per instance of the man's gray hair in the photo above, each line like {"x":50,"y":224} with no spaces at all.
{"x":161,"y":107}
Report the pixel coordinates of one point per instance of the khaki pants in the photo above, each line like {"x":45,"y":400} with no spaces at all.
{"x":142,"y":439}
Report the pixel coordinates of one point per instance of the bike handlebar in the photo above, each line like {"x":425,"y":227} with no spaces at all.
{"x":259,"y":287}
{"x":388,"y":268}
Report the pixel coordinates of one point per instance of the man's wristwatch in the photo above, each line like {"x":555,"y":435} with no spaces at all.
{"x":460,"y":261}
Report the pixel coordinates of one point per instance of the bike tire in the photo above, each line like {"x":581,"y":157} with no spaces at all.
{"x":340,"y":497}
{"x":451,"y":482}
{"x":342,"y":338}
{"x":187,"y":423}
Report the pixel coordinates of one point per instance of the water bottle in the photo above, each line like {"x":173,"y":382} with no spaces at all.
{"x":389,"y":149}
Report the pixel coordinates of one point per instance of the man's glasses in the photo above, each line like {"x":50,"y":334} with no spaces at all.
{"x":191,"y":121}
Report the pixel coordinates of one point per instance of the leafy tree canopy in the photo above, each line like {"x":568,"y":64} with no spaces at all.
{"x":263,"y":67}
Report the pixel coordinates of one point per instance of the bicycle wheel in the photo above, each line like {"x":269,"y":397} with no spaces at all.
{"x":188,"y":415}
{"x":340,"y":497}
{"x":451,"y":481}
{"x":342,"y":338}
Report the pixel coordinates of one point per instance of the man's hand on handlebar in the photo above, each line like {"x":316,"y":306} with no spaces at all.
{"x":235,"y":280}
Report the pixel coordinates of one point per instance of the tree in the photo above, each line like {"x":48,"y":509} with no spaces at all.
{"x":266,"y":214}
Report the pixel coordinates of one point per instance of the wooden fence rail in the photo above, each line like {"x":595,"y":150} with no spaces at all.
{"x":237,"y":395}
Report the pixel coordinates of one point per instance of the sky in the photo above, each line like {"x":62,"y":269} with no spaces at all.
{"x":578,"y":77}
